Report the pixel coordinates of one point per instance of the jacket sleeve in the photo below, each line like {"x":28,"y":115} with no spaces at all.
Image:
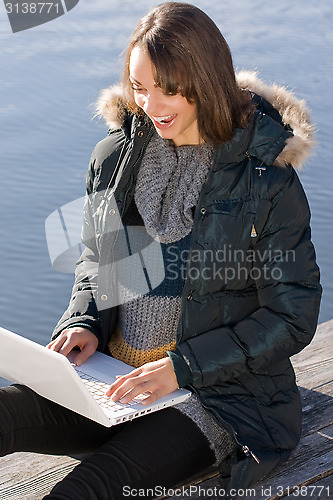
{"x":82,"y":308}
{"x":289,"y":296}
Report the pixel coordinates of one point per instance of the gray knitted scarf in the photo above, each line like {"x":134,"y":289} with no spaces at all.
{"x":168,"y":186}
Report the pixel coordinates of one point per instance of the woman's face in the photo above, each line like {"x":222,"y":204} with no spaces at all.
{"x":173,"y":116}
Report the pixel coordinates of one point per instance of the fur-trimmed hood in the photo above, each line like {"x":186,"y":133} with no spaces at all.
{"x":111,"y":106}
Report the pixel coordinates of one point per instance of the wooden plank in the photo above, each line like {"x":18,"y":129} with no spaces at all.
{"x":314,"y":376}
{"x":30,"y":476}
{"x":317,"y":410}
{"x":322,"y":489}
{"x":314,"y":365}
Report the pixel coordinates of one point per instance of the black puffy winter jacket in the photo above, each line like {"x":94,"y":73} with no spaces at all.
{"x":253,"y":300}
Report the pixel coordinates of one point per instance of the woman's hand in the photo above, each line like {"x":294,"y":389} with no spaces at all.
{"x":76,"y":336}
{"x":157,"y":379}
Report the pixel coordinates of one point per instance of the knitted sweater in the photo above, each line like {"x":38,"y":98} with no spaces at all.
{"x":168,"y":187}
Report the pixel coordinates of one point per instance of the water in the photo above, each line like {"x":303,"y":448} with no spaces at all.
{"x":51,"y":76}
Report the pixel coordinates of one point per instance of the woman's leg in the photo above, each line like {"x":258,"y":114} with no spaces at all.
{"x":29,"y":422}
{"x":155,"y":451}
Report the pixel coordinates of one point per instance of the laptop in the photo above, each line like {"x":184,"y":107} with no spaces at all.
{"x":80,"y":389}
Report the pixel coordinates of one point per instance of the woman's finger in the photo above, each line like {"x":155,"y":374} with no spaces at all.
{"x":84,"y":354}
{"x":118,"y":389}
{"x":68,"y":345}
{"x":57,"y":343}
{"x":151,"y":398}
{"x":121,"y":379}
{"x":141,"y":389}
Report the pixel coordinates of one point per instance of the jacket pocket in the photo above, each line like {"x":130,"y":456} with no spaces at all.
{"x":225,"y":221}
{"x":227,"y":207}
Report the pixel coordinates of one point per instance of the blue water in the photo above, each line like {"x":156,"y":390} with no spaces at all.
{"x":50,"y":78}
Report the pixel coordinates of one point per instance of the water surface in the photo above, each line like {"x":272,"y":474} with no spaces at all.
{"x":50,"y":78}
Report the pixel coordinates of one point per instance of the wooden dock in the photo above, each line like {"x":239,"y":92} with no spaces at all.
{"x":307,"y":474}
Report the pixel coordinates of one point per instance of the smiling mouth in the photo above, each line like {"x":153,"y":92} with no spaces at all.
{"x":163,"y":120}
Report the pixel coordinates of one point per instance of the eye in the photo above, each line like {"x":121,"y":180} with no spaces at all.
{"x":175,"y":91}
{"x":136,"y":88}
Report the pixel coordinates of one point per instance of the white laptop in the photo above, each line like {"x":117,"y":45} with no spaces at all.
{"x":80,"y":389}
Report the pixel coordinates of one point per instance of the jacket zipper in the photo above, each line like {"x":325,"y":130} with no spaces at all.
{"x":248,"y":452}
{"x":245,"y":449}
{"x":187,"y":294}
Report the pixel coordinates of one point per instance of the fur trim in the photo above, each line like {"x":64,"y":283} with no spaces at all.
{"x":293,"y":111}
{"x":111,"y":105}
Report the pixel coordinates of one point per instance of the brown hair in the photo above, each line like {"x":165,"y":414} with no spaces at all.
{"x":190,"y":56}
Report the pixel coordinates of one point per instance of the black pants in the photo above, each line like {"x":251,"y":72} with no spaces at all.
{"x":156,"y":451}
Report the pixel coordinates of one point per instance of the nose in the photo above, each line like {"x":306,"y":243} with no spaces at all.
{"x":151,"y":104}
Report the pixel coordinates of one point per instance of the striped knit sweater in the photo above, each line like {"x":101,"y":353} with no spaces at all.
{"x":167,"y":190}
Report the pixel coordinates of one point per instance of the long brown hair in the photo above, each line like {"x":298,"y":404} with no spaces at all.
{"x":190,"y":56}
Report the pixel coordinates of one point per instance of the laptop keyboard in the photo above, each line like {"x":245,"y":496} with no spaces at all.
{"x":98,"y":388}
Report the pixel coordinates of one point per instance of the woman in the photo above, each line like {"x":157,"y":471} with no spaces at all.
{"x":200,"y":163}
